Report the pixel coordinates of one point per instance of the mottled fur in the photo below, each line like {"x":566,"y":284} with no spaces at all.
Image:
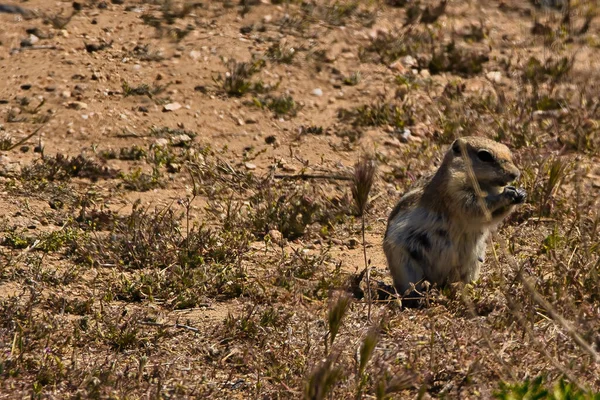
{"x":438,"y":230}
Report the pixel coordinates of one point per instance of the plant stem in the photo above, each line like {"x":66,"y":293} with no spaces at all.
{"x":367,"y":268}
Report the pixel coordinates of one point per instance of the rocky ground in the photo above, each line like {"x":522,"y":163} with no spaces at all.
{"x":178,"y":218}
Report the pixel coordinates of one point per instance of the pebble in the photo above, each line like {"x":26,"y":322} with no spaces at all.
{"x":405,"y":136}
{"x":494,"y":76}
{"x":317,"y":92}
{"x":271,"y":139}
{"x":171,"y":107}
{"x":65,"y":94}
{"x":77,"y":105}
{"x":393,"y":143}
{"x":195,"y":55}
{"x":352,"y":243}
{"x":180,"y":140}
{"x":173,"y":168}
{"x":409,"y":61}
{"x":250,"y":166}
{"x":276,"y":236}
{"x":161,"y":142}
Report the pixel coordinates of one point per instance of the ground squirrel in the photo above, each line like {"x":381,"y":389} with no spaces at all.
{"x":438,"y":230}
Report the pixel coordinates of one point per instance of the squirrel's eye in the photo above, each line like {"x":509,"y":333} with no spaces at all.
{"x":485,"y":156}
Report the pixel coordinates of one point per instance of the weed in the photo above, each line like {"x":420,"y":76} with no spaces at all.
{"x":142,"y":90}
{"x":237,"y":78}
{"x":280,"y":105}
{"x":364,"y":176}
{"x":132,"y":153}
{"x":140,"y":181}
{"x":166,"y":132}
{"x":311,"y":130}
{"x":386,"y":48}
{"x":536,"y":72}
{"x":178,"y":262}
{"x":535,"y":389}
{"x":451,"y":58}
{"x":281,"y":53}
{"x":61,"y":167}
{"x":323,"y":379}
{"x":352,"y":80}
{"x":376,"y":114}
{"x":145,"y":53}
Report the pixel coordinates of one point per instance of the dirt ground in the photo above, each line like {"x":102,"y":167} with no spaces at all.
{"x":178,"y":220}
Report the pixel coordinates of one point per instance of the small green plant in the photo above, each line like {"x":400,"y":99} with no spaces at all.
{"x":237,"y":81}
{"x":352,"y":80}
{"x":535,"y":389}
{"x":140,"y":181}
{"x":376,"y":114}
{"x":553,"y":70}
{"x":452,"y":58}
{"x":323,"y":379}
{"x":280,"y":105}
{"x":132,"y":153}
{"x":142,"y":90}
{"x":280,"y":53}
{"x":386,"y":48}
{"x":61,"y":167}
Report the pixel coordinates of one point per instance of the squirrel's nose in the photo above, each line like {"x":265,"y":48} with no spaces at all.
{"x":513,"y":175}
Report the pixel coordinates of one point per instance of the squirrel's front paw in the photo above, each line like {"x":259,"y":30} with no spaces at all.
{"x":517,"y":196}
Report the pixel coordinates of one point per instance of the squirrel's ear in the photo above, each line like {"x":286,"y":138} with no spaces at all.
{"x":456,"y":146}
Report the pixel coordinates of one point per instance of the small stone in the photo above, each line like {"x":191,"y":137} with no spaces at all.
{"x":50,"y":89}
{"x":195,"y":55}
{"x":398,"y":67}
{"x":161,"y":142}
{"x":352,"y":243}
{"x":244,"y":30}
{"x":171,"y":107}
{"x":271,"y":139}
{"x":425,"y":73}
{"x":250,"y":166}
{"x":267,"y":18}
{"x":180,"y":140}
{"x":276,"y":236}
{"x":77,"y":105}
{"x":408,"y":61}
{"x":65,"y":94}
{"x":26,"y":86}
{"x":405,"y":136}
{"x":173,"y":168}
{"x":393,"y":142}
{"x":317,"y":92}
{"x":494,"y":76}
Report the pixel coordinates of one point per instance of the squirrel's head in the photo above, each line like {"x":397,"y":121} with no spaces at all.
{"x":490,"y":161}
